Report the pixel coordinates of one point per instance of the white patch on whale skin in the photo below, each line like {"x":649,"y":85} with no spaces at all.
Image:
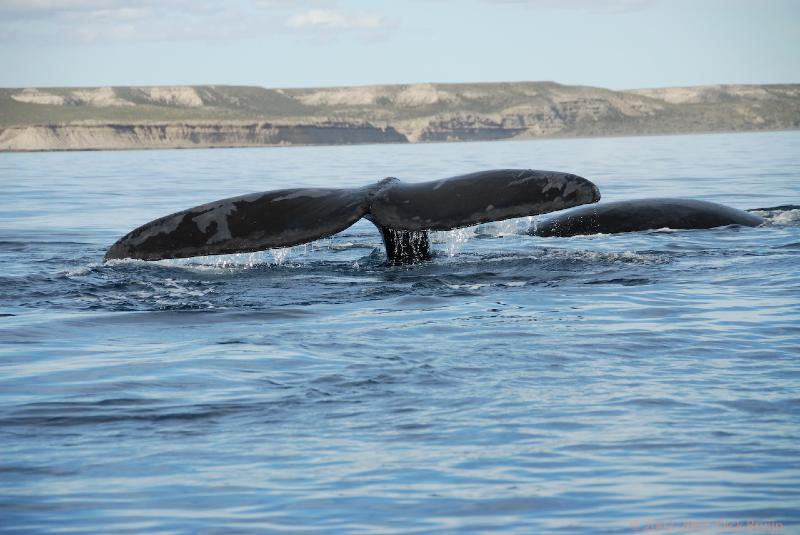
{"x":440,"y":183}
{"x":569,"y":188}
{"x":250,"y":197}
{"x":553,"y":182}
{"x":218,"y":215}
{"x":311,"y":192}
{"x":522,"y":179}
{"x":165,"y":227}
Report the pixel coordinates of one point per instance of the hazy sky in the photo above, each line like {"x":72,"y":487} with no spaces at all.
{"x":289,"y":43}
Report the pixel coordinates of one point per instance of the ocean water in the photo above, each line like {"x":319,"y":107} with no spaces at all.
{"x":642,"y":382}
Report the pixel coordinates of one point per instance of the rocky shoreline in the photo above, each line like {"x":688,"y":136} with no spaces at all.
{"x":121,"y":136}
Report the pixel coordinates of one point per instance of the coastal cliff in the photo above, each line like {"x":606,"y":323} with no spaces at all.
{"x":181,"y":135}
{"x":236,"y":116}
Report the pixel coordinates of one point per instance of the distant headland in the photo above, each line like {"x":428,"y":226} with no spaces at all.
{"x":36,"y":119}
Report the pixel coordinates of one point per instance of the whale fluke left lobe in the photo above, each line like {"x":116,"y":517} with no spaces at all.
{"x":248,"y":223}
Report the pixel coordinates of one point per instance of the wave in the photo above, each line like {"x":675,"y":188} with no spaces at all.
{"x":785,"y":214}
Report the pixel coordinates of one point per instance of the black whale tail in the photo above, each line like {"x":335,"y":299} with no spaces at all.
{"x":404,"y":213}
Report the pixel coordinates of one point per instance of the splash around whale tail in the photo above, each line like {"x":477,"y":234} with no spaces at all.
{"x":404,"y":213}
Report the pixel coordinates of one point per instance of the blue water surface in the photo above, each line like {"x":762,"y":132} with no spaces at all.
{"x":599,"y":384}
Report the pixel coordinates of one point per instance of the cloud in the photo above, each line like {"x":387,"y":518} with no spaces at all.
{"x":33,"y":6}
{"x":99,"y":21}
{"x":66,"y":22}
{"x":328,"y":19}
{"x":592,"y":6}
{"x":54,"y":9}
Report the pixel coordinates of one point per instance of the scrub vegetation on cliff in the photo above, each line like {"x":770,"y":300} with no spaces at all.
{"x":186,"y":116}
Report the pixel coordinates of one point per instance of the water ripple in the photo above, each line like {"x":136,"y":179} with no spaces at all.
{"x":596,"y":384}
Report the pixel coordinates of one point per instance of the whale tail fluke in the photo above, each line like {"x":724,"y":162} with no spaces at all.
{"x":403,"y":212}
{"x":248,"y":223}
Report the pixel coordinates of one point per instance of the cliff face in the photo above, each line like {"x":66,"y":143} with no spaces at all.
{"x":187,"y":135}
{"x":226,"y":116}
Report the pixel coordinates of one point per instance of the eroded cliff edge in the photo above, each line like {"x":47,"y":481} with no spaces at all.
{"x":236,"y":116}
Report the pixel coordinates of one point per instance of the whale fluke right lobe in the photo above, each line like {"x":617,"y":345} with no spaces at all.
{"x":475,"y":198}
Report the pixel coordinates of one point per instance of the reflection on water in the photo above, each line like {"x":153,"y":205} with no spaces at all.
{"x":620,"y":383}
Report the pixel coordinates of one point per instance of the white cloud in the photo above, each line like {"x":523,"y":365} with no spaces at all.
{"x":107,"y":21}
{"x":329,"y":19}
{"x":58,"y":8}
{"x":593,"y":6}
{"x":119,"y":14}
{"x":93,"y":21}
{"x":58,"y":5}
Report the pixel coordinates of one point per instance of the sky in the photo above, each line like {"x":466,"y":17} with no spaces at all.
{"x":618,"y":44}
